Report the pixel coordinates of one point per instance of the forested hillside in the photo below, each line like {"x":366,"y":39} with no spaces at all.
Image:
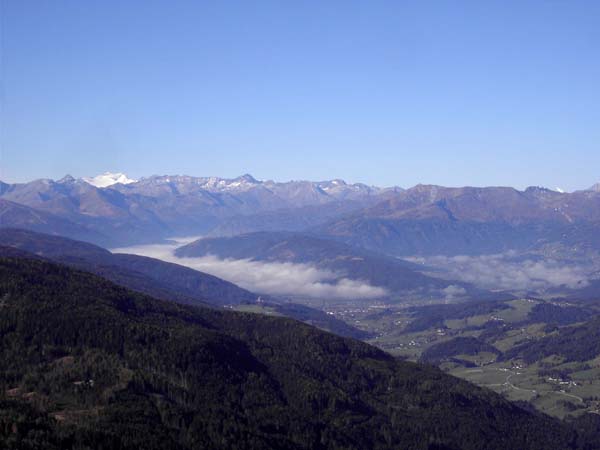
{"x":88,"y":364}
{"x":159,"y":279}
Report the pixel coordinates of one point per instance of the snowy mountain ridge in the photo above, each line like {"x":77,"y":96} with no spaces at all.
{"x":108,"y":179}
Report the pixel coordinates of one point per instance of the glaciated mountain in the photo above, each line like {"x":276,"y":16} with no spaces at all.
{"x":108,"y":179}
{"x":292,"y":193}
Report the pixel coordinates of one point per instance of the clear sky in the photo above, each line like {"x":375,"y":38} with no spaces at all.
{"x":398,"y":92}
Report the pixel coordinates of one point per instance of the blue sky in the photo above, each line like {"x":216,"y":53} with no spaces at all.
{"x":452,"y":93}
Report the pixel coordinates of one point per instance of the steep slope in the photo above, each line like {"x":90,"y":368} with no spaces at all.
{"x":116,"y":369}
{"x":148,"y":275}
{"x":159,"y":279}
{"x":398,"y":277}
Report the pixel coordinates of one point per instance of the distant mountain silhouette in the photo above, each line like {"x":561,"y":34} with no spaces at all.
{"x":433,"y":220}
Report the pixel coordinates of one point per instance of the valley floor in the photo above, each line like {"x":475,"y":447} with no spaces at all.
{"x":551,"y":385}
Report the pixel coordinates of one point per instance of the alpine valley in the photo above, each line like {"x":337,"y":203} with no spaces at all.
{"x":182,"y":312}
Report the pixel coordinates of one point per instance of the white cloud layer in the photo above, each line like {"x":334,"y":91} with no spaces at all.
{"x":266,"y":277}
{"x":453,"y":291}
{"x":505,"y":271}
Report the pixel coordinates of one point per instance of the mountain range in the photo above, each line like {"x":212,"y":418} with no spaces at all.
{"x":423,"y":221}
{"x":158,"y":207}
{"x":433,"y":220}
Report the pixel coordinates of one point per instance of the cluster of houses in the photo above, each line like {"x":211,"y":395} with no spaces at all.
{"x":562,"y":381}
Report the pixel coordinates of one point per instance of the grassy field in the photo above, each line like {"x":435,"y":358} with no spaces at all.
{"x":577,"y":392}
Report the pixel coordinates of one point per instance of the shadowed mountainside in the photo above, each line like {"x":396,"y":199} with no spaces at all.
{"x":157,"y":278}
{"x":148,"y":275}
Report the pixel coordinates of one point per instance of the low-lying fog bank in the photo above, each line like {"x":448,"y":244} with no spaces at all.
{"x":265,"y":278}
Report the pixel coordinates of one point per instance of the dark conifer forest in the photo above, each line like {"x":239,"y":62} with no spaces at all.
{"x":87,"y":364}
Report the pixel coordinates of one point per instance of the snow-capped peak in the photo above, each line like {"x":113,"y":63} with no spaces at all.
{"x":108,"y":179}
